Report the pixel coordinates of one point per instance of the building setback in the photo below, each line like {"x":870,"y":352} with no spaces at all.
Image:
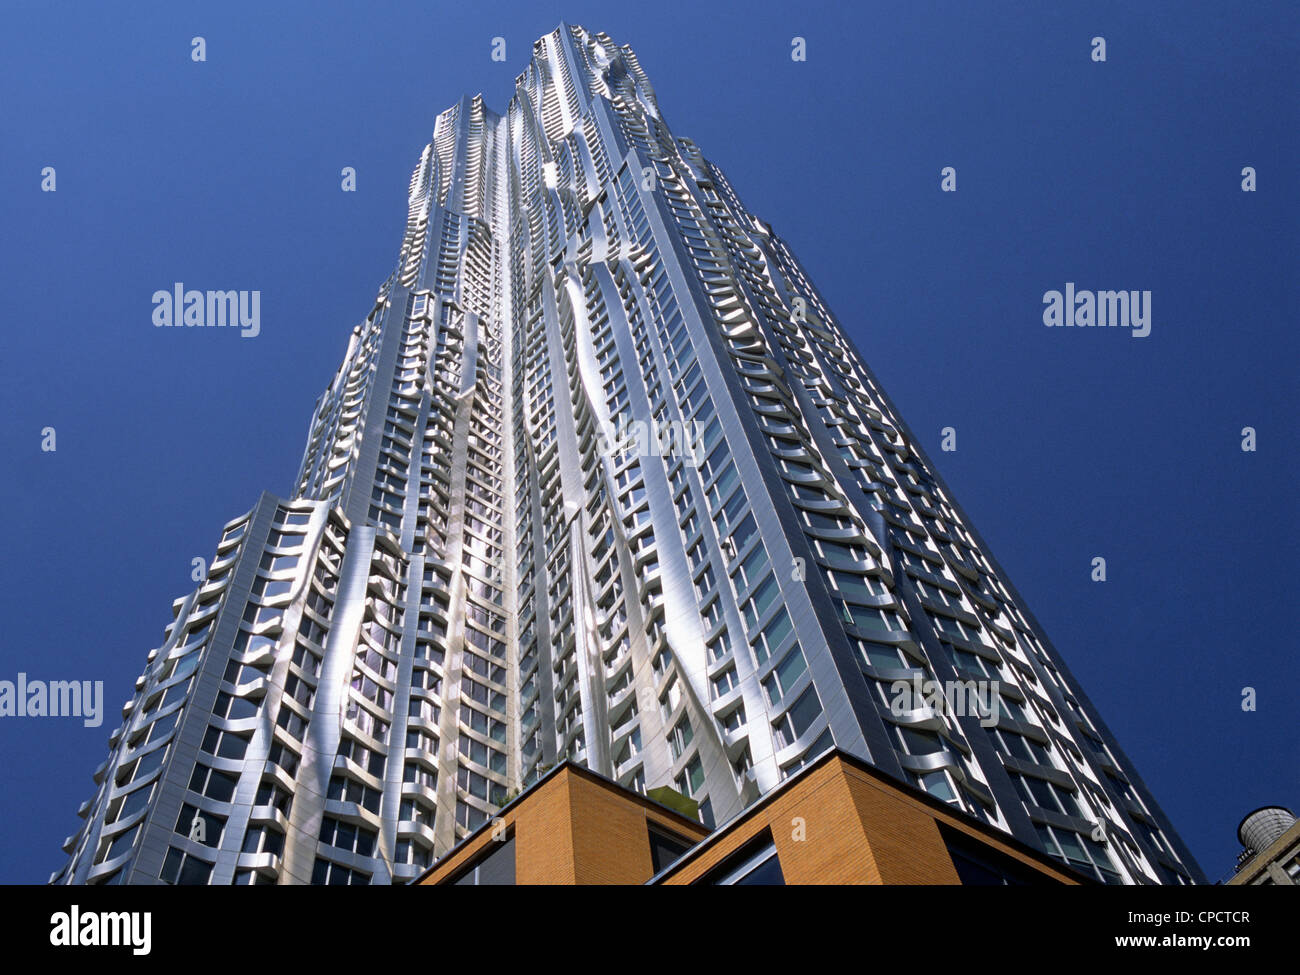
{"x":601,"y":480}
{"x":836,"y":821}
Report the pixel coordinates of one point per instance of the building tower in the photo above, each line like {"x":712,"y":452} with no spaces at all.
{"x":602,"y":478}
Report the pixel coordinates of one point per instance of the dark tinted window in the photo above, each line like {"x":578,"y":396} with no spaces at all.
{"x":665,"y":848}
{"x":753,"y":865}
{"x":983,"y":866}
{"x":494,"y":868}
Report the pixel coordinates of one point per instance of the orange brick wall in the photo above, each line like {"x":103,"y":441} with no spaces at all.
{"x":855,"y":829}
{"x":573,"y":829}
{"x":544,"y":837}
{"x":544,"y":818}
{"x":837,"y":824}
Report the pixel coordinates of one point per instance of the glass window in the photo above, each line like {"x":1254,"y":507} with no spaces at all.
{"x":784,"y":675}
{"x":756,"y":864}
{"x":185,"y":869}
{"x":765,"y":594}
{"x":666,"y":848}
{"x":799,"y":718}
{"x":495,"y":867}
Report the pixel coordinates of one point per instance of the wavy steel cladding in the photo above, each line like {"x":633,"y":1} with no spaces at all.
{"x":473,"y":579}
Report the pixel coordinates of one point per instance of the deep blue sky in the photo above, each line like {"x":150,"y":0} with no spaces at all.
{"x":1071,"y":443}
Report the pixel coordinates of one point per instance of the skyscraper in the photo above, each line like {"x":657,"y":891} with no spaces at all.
{"x":601,"y":478}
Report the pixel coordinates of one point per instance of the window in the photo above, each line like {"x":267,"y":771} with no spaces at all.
{"x":224,"y":744}
{"x":371,"y":761}
{"x":742,"y":533}
{"x":765,"y":595}
{"x":772,"y":636}
{"x":881,"y":657}
{"x":724,"y":682}
{"x":1047,"y":795}
{"x":938,"y":785}
{"x":233,"y":708}
{"x":755,"y":864}
{"x":269,"y":794}
{"x":1080,"y":852}
{"x":270,"y":588}
{"x":292,"y":722}
{"x":237,"y":674}
{"x":249,"y":878}
{"x":869,"y":618}
{"x":213,"y":783}
{"x":137,"y":769}
{"x":298,"y":689}
{"x":263,"y":839}
{"x":854,"y":586}
{"x":955,"y":628}
{"x":115,"y":847}
{"x":734,"y":506}
{"x":791,"y":725}
{"x":200,"y":826}
{"x":970,"y":663}
{"x":706,"y":813}
{"x":473,"y":783}
{"x":680,"y":737}
{"x":414,"y":812}
{"x":155,"y":731}
{"x":347,"y":790}
{"x":185,"y":869}
{"x":979,"y":865}
{"x":334,"y":875}
{"x":411,"y":852}
{"x":182,"y":666}
{"x":1022,"y":747}
{"x":419,"y":775}
{"x":469,"y":816}
{"x":280,"y":755}
{"x":692,"y":778}
{"x":751,"y":569}
{"x":919,"y":741}
{"x":124,"y":808}
{"x":719,"y":647}
{"x":419,"y":738}
{"x":495,"y":867}
{"x":735,"y":720}
{"x":233,"y":533}
{"x":666,"y":848}
{"x":671,"y":698}
{"x":825,"y":741}
{"x":784,"y":675}
{"x":348,"y":836}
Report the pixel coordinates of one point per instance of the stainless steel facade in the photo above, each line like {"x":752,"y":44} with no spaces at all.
{"x":600,"y":477}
